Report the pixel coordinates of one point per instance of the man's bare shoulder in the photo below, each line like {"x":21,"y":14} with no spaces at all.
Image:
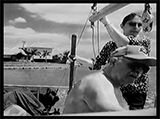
{"x":98,"y":93}
{"x":95,"y":81}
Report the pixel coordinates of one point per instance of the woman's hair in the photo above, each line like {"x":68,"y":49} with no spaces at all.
{"x":129,"y":17}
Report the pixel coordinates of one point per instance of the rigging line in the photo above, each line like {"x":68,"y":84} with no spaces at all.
{"x":94,"y":53}
{"x":98,"y":29}
{"x":80,"y":36}
{"x":98,"y":36}
{"x":94,"y":8}
{"x":62,"y":78}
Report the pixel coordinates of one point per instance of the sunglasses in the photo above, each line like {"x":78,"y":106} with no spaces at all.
{"x":133,"y":24}
{"x":134,"y":65}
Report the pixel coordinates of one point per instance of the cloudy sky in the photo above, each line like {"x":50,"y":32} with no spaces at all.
{"x":52,"y":25}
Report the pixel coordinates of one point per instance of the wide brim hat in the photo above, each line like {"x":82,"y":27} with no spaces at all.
{"x":136,"y":53}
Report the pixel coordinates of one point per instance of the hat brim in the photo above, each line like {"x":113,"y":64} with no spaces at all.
{"x":149,"y":61}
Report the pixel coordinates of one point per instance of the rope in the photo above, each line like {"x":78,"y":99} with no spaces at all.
{"x":62,"y":79}
{"x":93,"y":45}
{"x":81,"y":33}
{"x":94,"y":8}
{"x":98,"y":37}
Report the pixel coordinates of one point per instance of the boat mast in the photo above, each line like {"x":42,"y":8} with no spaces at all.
{"x":72,"y":55}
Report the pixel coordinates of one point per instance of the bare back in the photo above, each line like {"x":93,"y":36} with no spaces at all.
{"x":94,"y":93}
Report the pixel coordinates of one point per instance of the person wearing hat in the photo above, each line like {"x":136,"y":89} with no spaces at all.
{"x":132,"y":25}
{"x":96,"y":92}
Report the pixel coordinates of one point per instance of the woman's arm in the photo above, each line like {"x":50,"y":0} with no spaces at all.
{"x":119,"y":38}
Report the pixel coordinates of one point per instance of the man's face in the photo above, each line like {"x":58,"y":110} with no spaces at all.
{"x":127,"y":70}
{"x":132,"y":27}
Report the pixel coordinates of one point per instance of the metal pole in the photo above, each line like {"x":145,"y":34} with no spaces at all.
{"x":73,"y":49}
{"x":38,"y":92}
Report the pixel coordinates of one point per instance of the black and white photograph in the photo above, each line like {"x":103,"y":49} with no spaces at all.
{"x":79,"y":59}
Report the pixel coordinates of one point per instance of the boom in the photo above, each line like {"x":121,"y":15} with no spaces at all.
{"x":106,"y":10}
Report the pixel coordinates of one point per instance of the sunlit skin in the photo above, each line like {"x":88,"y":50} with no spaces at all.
{"x":125,"y":76}
{"x":96,"y":92}
{"x":132,"y":30}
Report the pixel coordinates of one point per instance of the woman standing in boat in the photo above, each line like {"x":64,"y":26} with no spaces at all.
{"x":135,"y":94}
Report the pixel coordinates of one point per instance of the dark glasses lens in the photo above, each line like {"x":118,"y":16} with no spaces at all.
{"x":133,"y":24}
{"x":135,"y":66}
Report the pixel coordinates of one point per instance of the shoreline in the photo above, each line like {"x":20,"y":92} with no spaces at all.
{"x":34,"y":65}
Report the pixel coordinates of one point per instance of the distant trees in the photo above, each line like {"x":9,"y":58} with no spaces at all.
{"x":61,"y":57}
{"x":30,"y":52}
{"x":45,"y":54}
{"x":35,"y":52}
{"x":20,"y":55}
{"x":65,"y":56}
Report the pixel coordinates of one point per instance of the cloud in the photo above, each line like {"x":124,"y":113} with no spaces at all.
{"x":76,"y":13}
{"x":53,"y":25}
{"x":61,"y":13}
{"x":17,"y":20}
{"x":18,"y":31}
{"x":17,"y":35}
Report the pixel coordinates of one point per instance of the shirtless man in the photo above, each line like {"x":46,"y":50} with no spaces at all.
{"x":96,"y":92}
